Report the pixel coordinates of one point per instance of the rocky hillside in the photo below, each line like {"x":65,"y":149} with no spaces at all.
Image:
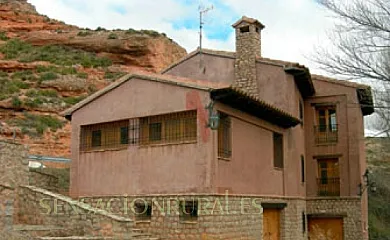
{"x":47,"y":65}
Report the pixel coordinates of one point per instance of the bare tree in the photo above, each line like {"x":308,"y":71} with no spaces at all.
{"x":361,"y":48}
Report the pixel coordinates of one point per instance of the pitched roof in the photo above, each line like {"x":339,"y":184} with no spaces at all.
{"x":340,"y":82}
{"x":173,"y":80}
{"x":248,"y":20}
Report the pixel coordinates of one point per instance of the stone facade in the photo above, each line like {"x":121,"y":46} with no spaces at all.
{"x":219,"y":216}
{"x":349,"y":208}
{"x":43,"y":180}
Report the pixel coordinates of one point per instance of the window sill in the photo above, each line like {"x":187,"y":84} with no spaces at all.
{"x":166,"y":144}
{"x":227,"y":159}
{"x":278,"y":169}
{"x":188,"y":222}
{"x":326,"y":144}
{"x":105,"y":149}
{"x":142,"y":221}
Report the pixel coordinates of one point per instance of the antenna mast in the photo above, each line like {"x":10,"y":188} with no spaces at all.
{"x":202,"y":11}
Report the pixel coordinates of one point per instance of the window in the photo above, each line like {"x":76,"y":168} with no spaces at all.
{"x":328,"y":181}
{"x":143,"y":211}
{"x":104,"y":135}
{"x":303,"y":222}
{"x":302,"y":168}
{"x":224,"y":136}
{"x":244,"y":29}
{"x":96,"y":138}
{"x":189,"y":210}
{"x":300,"y":110}
{"x":169,"y":128}
{"x":326,"y":129}
{"x":278,"y":150}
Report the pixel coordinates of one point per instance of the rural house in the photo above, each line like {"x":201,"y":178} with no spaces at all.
{"x":246,"y":147}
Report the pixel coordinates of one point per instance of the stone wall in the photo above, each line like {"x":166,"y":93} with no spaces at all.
{"x":38,"y":206}
{"x":13,"y":172}
{"x":43,"y":180}
{"x":242,"y":219}
{"x":347,"y":208}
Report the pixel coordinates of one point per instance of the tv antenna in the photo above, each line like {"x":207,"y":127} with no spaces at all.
{"x":202,"y":11}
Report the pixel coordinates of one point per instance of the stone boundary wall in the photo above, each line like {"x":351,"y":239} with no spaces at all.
{"x":13,"y":172}
{"x":43,"y":180}
{"x":242,"y":220}
{"x":348,"y":208}
{"x":38,"y":206}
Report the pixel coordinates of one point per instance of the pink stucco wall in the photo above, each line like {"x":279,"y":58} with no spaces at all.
{"x":136,"y":170}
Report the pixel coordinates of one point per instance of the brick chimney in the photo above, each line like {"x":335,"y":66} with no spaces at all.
{"x":248,"y":47}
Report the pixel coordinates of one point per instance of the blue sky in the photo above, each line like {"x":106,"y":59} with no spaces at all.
{"x":293,"y":27}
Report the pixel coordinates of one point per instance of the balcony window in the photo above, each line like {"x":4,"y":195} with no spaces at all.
{"x":326,"y":130}
{"x":328,"y":181}
{"x":168,"y":128}
{"x":104,"y":136}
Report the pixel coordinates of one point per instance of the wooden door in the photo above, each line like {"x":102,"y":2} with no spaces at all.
{"x":271,"y":224}
{"x":326,"y":229}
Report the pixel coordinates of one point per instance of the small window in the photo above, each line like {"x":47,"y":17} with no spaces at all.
{"x":224,"y":136}
{"x":278,"y":150}
{"x":257,"y":29}
{"x":96,"y":138}
{"x":155,"y":132}
{"x":301,"y":111}
{"x":302,"y":168}
{"x":189,"y":210}
{"x":124,"y":135}
{"x":143,"y":211}
{"x":244,"y":29}
{"x":303,"y":222}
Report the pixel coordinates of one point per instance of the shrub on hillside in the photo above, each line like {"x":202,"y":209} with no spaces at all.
{"x":112,"y":36}
{"x":35,"y":125}
{"x":3,"y":36}
{"x":47,"y":76}
{"x":16,"y":103}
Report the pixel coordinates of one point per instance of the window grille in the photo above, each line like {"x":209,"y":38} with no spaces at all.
{"x":169,"y":128}
{"x":224,"y":136}
{"x":189,"y":210}
{"x":143,"y":211}
{"x":105,"y":135}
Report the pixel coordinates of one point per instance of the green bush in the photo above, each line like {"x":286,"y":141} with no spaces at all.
{"x":3,"y":36}
{"x":98,"y":29}
{"x":24,"y":75}
{"x":151,"y":33}
{"x":84,"y":33}
{"x":47,"y":76}
{"x":42,"y":93}
{"x":131,"y":31}
{"x":16,"y":103}
{"x":20,"y":84}
{"x":59,"y":55}
{"x":3,"y":74}
{"x":73,"y":100}
{"x":36,"y":125}
{"x":112,"y":36}
{"x":113,"y":75}
{"x":33,"y":102}
{"x":50,"y":68}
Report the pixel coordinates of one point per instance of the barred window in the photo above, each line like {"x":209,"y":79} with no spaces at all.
{"x":104,"y":135}
{"x":224,"y":136}
{"x":169,"y":128}
{"x":189,"y":210}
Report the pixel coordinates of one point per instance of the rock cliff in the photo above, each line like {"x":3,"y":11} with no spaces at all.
{"x":47,"y":65}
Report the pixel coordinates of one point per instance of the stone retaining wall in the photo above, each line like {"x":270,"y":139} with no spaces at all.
{"x":43,"y":180}
{"x":242,"y":219}
{"x":40,"y":207}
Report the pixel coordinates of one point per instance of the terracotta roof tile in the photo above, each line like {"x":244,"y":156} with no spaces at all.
{"x":340,"y":82}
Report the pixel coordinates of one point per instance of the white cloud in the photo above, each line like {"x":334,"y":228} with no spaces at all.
{"x":293,"y":27}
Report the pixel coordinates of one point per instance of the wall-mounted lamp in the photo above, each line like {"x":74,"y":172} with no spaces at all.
{"x":367,"y":184}
{"x":213,"y":121}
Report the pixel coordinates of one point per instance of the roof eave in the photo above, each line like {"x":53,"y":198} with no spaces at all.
{"x":303,"y":79}
{"x":238,"y":99}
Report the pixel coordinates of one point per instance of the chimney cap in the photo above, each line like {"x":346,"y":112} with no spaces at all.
{"x":248,"y":20}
